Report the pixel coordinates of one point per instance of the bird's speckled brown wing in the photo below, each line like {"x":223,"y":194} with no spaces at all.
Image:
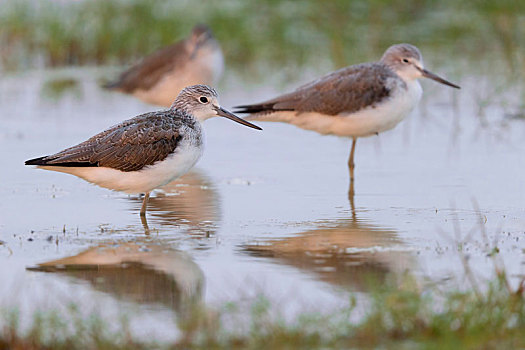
{"x":128,"y":146}
{"x":151,"y":69}
{"x":346,"y":90}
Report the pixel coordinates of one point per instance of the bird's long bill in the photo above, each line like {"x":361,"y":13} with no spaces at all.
{"x":224,"y":113}
{"x":430,"y":75}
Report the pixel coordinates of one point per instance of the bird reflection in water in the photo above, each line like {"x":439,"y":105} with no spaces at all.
{"x":191,"y":203}
{"x":140,"y":272}
{"x":346,"y":252}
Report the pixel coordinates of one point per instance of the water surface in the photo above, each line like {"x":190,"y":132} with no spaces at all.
{"x":263,"y":212}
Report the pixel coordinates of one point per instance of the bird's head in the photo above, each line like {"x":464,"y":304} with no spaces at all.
{"x":407,"y":62}
{"x":201,"y":35}
{"x":202,"y":102}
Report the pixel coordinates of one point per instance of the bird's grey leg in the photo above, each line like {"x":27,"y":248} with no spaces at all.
{"x":144,"y":204}
{"x":145,"y":224}
{"x":351,"y":164}
{"x":351,"y":195}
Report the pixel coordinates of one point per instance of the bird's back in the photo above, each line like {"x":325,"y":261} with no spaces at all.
{"x":346,"y":90}
{"x":130,"y":145}
{"x":148,"y":72}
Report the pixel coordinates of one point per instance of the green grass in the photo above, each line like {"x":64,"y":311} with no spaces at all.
{"x":54,"y":89}
{"x":401,"y":314}
{"x":294,"y":40}
{"x":257,"y":35}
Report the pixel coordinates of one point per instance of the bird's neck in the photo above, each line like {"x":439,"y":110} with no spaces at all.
{"x":179,"y":104}
{"x":202,"y":115}
{"x":182,"y":113}
{"x":408,"y":75}
{"x":193,"y":115}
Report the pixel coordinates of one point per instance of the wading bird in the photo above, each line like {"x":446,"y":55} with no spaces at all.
{"x":145,"y":152}
{"x":159,"y":77}
{"x":356,"y":101}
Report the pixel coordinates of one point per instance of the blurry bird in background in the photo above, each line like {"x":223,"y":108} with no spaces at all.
{"x":159,"y":77}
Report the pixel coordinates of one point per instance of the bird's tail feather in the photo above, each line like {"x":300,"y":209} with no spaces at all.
{"x":46,"y":161}
{"x":36,"y":161}
{"x":111,"y":85}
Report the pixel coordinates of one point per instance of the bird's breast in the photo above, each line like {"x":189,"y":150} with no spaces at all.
{"x":403,"y":100}
{"x":208,"y":66}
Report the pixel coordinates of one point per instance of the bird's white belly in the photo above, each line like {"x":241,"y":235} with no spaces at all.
{"x":141,"y":181}
{"x":366,"y":122}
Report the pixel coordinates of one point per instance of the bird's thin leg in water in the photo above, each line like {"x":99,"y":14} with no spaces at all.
{"x":145,"y":224}
{"x":351,"y":164}
{"x":351,"y":195}
{"x":144,"y":204}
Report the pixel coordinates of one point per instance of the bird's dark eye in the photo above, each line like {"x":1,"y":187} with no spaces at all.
{"x":203,"y":99}
{"x":405,"y":60}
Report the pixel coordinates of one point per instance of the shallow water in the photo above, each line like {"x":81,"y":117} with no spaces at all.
{"x":264,"y":212}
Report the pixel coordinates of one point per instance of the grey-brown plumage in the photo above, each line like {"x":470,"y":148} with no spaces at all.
{"x":128,"y":146}
{"x":149,"y":71}
{"x":159,"y":77}
{"x":137,"y":142}
{"x":356,"y":101}
{"x":348,"y":89}
{"x":145,"y":152}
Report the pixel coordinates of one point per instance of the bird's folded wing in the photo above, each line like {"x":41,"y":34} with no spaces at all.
{"x":128,"y":146}
{"x":151,"y":69}
{"x":347,"y":90}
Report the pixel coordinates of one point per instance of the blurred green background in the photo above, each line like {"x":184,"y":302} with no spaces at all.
{"x":257,"y":35}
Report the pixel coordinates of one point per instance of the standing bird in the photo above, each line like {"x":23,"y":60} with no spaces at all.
{"x":162,"y":75}
{"x":356,"y":101}
{"x":145,"y":152}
